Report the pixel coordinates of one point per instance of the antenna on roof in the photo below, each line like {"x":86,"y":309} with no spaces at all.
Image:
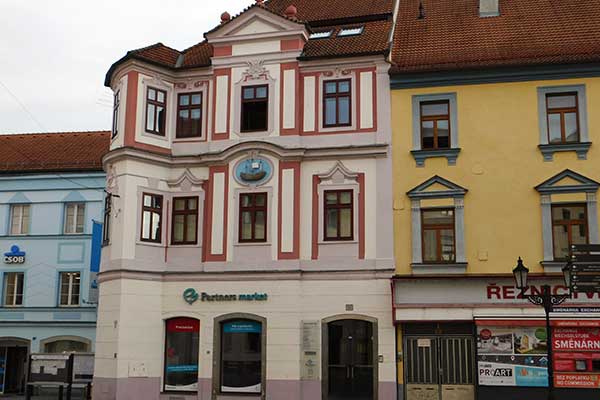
{"x":421,"y":11}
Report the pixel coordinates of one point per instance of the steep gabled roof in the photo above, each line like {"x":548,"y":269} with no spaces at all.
{"x":453,"y":36}
{"x":53,"y":152}
{"x":374,"y":15}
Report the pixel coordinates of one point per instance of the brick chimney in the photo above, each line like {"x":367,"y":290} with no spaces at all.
{"x":489,"y":8}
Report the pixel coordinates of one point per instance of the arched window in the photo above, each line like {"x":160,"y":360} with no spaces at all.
{"x":181,"y":354}
{"x":241,"y":359}
{"x":66,"y":344}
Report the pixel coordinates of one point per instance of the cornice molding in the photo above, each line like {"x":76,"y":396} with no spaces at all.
{"x":220,"y":157}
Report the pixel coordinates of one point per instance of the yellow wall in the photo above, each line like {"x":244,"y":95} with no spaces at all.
{"x":499,"y":163}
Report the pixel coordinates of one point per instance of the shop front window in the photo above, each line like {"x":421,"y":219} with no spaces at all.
{"x":241,"y":356}
{"x":181,"y":354}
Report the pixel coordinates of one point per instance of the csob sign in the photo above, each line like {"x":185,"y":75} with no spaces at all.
{"x":14,"y":256}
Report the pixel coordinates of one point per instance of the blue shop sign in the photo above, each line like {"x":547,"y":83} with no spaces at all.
{"x":242,"y":327}
{"x":182,"y":368}
{"x":14,"y":256}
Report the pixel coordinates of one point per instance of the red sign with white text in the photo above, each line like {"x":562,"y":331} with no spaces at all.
{"x":576,"y":339}
{"x":577,"y":380}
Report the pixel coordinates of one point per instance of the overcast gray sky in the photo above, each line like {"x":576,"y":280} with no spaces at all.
{"x":54,"y":54}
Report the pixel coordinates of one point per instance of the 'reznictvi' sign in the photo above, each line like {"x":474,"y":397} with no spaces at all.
{"x":14,"y":256}
{"x":190,"y":295}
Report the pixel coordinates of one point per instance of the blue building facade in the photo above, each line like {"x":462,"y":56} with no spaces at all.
{"x":48,"y":296}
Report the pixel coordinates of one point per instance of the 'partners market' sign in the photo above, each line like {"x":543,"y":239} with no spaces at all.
{"x":191,"y":296}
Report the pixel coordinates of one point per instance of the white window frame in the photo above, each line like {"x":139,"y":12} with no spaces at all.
{"x":23,"y":228}
{"x":71,"y":275}
{"x":72,"y":230}
{"x":15,"y":293}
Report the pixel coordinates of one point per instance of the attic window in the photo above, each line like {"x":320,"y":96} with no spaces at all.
{"x":351,"y":31}
{"x":320,"y":35}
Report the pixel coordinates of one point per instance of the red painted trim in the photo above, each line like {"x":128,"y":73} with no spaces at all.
{"x":295,"y":254}
{"x":217,"y":73}
{"x":291,"y":44}
{"x":509,"y":322}
{"x":361,"y":216}
{"x":131,"y":117}
{"x":318,"y":128}
{"x":297,"y":105}
{"x":210,"y":198}
{"x":315,"y":217}
{"x":131,"y":108}
{"x":222,"y":51}
{"x":207,"y":218}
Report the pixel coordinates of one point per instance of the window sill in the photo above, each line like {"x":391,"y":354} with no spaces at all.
{"x":244,"y":244}
{"x":439,"y":268}
{"x":189,"y":139}
{"x":184,"y":245}
{"x":326,"y":242}
{"x":580,"y":148}
{"x":421,"y":155}
{"x":553,"y":266}
{"x":151,"y":244}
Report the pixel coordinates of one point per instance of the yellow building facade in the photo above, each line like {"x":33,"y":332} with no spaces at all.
{"x":499,"y":163}
{"x":498,"y":186}
{"x":496,"y":156}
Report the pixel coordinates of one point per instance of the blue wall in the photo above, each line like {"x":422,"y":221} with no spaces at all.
{"x":48,"y":252}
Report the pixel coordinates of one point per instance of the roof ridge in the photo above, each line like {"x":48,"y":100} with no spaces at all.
{"x":153,"y":46}
{"x":205,"y":42}
{"x":54,"y":133}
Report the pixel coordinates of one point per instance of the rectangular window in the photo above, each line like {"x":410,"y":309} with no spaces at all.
{"x":13,"y":289}
{"x":182,"y":341}
{"x":19,"y":219}
{"x":106,"y":220}
{"x":569,"y":226}
{"x":337,"y":103}
{"x":435,"y":124}
{"x":115,"y":125}
{"x":156,"y":111}
{"x":562,"y":112}
{"x":253,"y":217}
{"x":255,"y":104}
{"x":185,"y":220}
{"x":74,"y":218}
{"x":438,"y":235}
{"x":70,"y":282}
{"x":338,"y":211}
{"x":241,"y":356}
{"x":189,"y":115}
{"x":151,"y":218}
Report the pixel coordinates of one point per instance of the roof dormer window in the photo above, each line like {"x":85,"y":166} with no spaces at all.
{"x":320,"y":35}
{"x":351,"y":31}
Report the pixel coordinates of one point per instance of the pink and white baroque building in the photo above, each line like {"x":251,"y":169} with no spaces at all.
{"x":248,"y":227}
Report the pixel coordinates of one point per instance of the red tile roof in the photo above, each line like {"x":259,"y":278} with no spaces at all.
{"x":55,"y":152}
{"x":528,"y":32}
{"x":373,"y":40}
{"x":316,"y":14}
{"x":322,"y":10}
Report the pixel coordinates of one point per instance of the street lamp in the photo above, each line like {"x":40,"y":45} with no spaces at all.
{"x":546,"y":299}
